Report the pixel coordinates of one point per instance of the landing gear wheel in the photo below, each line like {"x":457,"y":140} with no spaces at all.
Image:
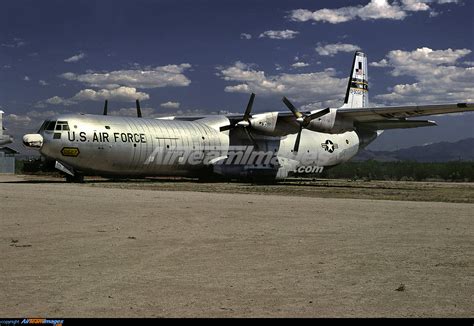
{"x":77,"y":178}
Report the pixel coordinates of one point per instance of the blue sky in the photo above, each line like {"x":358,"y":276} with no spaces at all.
{"x":198,"y":57}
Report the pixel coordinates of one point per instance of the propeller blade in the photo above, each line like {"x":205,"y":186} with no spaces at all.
{"x":105,"y":107}
{"x":249,"y":135}
{"x":309,"y":118}
{"x":249,"y":107}
{"x":292,"y":108}
{"x":297,"y":142}
{"x":139,"y":111}
{"x":225,"y":128}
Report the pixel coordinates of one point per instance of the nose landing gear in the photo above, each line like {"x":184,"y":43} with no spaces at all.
{"x":71,"y":174}
{"x":76,"y":178}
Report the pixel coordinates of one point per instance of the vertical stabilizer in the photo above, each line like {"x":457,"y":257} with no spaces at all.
{"x":1,"y":122}
{"x":357,"y":93}
{"x":4,"y":139}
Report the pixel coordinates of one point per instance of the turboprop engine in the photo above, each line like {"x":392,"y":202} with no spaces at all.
{"x":330,"y":123}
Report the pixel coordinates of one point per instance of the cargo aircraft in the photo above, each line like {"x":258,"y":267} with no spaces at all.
{"x":4,"y":139}
{"x":263,"y":146}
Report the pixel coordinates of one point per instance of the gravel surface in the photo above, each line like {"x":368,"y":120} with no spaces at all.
{"x":105,"y":250}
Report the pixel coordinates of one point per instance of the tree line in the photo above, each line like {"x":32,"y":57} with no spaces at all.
{"x":402,"y":171}
{"x":367,"y":170}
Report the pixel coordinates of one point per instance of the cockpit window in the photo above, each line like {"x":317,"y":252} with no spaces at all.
{"x":50,"y":125}
{"x":54,"y":125}
{"x":43,"y":126}
{"x":62,"y":125}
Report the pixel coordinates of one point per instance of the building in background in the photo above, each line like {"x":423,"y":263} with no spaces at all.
{"x":7,"y":160}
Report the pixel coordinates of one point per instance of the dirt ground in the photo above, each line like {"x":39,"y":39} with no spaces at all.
{"x":114,"y":249}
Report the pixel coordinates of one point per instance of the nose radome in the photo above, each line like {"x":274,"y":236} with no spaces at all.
{"x":33,"y":140}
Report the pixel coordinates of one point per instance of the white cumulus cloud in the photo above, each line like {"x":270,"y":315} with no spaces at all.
{"x":437,"y":75}
{"x":18,"y":119}
{"x":305,"y":88}
{"x":332,"y":49}
{"x":75,"y":58}
{"x":415,"y":5}
{"x":132,"y":112}
{"x":20,"y":124}
{"x":300,"y":65}
{"x":57,"y":100}
{"x":124,"y":94}
{"x":245,"y":36}
{"x":170,"y":105}
{"x":279,"y":35}
{"x":17,"y":42}
{"x":375,"y":9}
{"x":162,"y":76}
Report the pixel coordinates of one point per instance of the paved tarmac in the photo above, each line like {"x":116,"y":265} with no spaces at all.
{"x":76,"y":250}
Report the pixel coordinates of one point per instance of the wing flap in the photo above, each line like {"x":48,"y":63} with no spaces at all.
{"x":395,"y":124}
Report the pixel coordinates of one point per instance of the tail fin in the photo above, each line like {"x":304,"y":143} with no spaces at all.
{"x":4,"y":139}
{"x":1,"y":122}
{"x":357,"y":93}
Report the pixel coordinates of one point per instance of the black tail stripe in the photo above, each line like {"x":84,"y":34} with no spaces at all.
{"x":346,"y":100}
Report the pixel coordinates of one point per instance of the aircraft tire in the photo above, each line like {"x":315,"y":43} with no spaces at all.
{"x":77,"y":178}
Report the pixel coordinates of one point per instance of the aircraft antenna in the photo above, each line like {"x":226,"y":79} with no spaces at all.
{"x":139,"y":111}
{"x":105,"y":107}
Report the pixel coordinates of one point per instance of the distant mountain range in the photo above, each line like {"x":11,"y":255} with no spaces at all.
{"x":462,"y":150}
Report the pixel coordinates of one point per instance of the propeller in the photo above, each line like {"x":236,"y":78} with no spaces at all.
{"x":247,"y":115}
{"x":245,"y":122}
{"x":105,"y":107}
{"x":303,"y":120}
{"x":139,"y":111}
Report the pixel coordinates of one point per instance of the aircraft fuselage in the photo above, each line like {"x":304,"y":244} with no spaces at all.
{"x":111,"y":145}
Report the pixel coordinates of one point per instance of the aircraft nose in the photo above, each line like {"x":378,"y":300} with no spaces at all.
{"x":33,"y":140}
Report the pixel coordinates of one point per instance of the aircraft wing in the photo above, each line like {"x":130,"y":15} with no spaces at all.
{"x":395,"y":117}
{"x":376,"y":118}
{"x":388,"y":114}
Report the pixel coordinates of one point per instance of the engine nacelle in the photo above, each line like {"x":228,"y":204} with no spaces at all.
{"x":265,"y":122}
{"x":331,"y":123}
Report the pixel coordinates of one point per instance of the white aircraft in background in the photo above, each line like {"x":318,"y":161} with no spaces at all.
{"x":4,"y":139}
{"x":268,"y":146}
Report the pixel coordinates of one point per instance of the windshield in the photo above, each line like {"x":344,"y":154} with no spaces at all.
{"x":50,"y":125}
{"x":47,"y":125}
